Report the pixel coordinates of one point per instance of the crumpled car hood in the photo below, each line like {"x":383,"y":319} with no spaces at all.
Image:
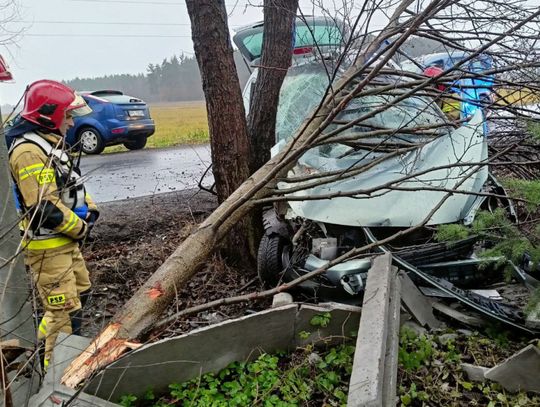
{"x":466,"y":144}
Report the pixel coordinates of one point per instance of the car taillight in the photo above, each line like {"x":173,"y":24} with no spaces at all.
{"x":302,"y":50}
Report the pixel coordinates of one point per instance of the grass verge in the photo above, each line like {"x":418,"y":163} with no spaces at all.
{"x":177,"y":123}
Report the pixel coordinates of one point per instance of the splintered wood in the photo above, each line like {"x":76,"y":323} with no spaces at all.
{"x":105,"y":349}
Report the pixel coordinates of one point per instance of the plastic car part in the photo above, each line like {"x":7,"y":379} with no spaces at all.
{"x":467,"y":273}
{"x":354,"y":283}
{"x":505,"y":313}
{"x":436,"y":252}
{"x":325,"y":248}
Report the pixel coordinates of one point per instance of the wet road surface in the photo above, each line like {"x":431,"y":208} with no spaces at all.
{"x":111,"y":177}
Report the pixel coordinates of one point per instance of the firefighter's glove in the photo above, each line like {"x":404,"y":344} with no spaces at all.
{"x":91,"y":219}
{"x":81,"y":212}
{"x":46,"y":214}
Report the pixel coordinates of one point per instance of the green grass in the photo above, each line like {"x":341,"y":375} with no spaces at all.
{"x":176,"y":123}
{"x":281,"y":380}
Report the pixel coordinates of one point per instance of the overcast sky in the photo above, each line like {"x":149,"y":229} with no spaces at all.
{"x":64,"y":39}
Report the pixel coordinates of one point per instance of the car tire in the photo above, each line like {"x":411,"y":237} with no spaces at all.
{"x":136,"y":144}
{"x":90,"y":140}
{"x":270,"y":264}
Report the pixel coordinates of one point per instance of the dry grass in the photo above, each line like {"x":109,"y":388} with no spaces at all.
{"x":518,"y":97}
{"x":176,"y":123}
{"x":179,"y":123}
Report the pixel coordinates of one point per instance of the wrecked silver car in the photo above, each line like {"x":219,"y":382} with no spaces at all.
{"x":345,"y":195}
{"x":390,"y":163}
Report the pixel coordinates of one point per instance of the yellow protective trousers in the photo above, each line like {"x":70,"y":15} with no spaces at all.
{"x":60,"y":276}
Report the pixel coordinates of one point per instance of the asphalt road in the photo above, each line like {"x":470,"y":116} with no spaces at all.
{"x":111,"y":177}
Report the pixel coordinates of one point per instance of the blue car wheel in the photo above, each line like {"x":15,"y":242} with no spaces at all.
{"x":90,"y":140}
{"x":136,"y":144}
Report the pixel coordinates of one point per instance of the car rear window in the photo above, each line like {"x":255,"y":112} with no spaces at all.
{"x":321,"y":35}
{"x":305,"y":86}
{"x":121,"y":99}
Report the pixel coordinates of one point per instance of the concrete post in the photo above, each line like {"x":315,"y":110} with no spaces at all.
{"x":374,"y":372}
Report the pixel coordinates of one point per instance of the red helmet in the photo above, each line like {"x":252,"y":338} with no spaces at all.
{"x":46,"y":103}
{"x":433,"y":71}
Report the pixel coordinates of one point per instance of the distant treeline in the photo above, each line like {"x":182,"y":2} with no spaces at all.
{"x":174,"y":79}
{"x":178,"y":78}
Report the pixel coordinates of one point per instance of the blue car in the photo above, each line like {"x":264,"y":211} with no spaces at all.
{"x":115,"y":119}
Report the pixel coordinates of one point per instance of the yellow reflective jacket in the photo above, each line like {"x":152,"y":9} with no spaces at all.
{"x":48,"y":220}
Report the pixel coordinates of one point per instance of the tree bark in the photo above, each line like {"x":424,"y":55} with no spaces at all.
{"x":279,"y":18}
{"x":229,"y":142}
{"x":226,"y":115}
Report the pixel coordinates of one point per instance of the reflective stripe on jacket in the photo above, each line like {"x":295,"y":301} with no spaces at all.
{"x":49,"y":189}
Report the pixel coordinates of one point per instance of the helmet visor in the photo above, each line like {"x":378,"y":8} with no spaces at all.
{"x":78,"y":107}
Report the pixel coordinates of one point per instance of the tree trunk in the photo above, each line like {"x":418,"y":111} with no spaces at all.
{"x":229,"y":142}
{"x":226,"y":115}
{"x":279,"y":17}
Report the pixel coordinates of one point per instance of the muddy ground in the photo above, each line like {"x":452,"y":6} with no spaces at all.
{"x":131,"y":240}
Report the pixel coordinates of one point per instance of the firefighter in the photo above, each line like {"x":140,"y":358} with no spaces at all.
{"x":449,"y":102}
{"x":56,"y":212}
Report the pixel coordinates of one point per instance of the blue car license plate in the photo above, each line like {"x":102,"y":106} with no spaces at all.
{"x":136,"y":113}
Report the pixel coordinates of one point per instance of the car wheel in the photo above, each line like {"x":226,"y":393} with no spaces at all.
{"x":136,"y":144}
{"x":270,"y":259}
{"x":90,"y":140}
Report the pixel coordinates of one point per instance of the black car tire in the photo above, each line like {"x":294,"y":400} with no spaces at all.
{"x":270,"y":259}
{"x":137,"y":143}
{"x":90,"y":140}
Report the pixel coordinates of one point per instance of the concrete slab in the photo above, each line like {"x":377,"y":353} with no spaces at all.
{"x":207,"y":349}
{"x":467,"y":319}
{"x":212,"y":348}
{"x":21,"y":388}
{"x":475,"y":373}
{"x":366,"y":385}
{"x":417,"y":304}
{"x":281,"y":299}
{"x":187,"y":356}
{"x":521,"y":371}
{"x":62,"y":395}
{"x":51,"y":392}
{"x":414,"y":327}
{"x":342,"y":324}
{"x":67,"y":348}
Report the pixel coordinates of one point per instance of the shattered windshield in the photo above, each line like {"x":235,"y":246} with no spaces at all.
{"x":412,"y":120}
{"x":305,"y":86}
{"x":301,"y":92}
